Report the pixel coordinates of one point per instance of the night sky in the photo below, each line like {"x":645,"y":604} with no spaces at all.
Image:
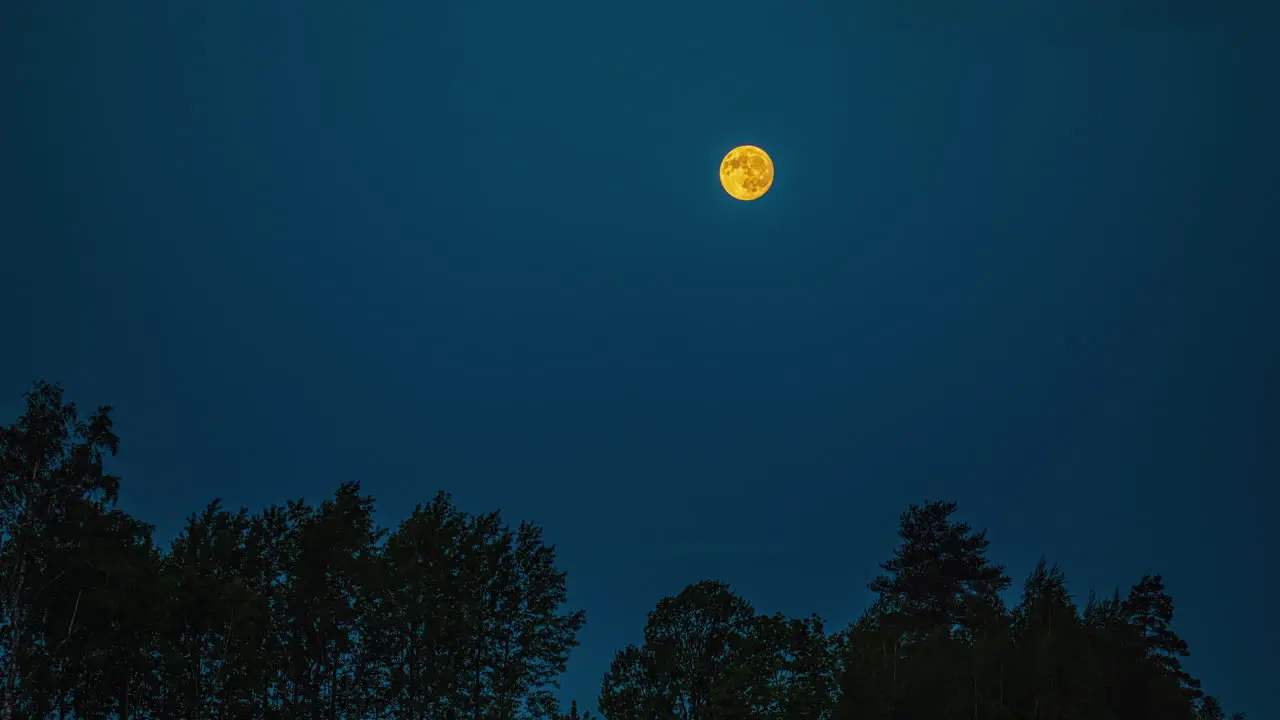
{"x":1014,"y":259}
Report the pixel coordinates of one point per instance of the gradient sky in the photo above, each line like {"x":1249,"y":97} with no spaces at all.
{"x":1015,"y":260}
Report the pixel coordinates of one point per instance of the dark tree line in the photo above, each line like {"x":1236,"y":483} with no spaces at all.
{"x":312,"y":611}
{"x":300,"y":611}
{"x":938,"y":643}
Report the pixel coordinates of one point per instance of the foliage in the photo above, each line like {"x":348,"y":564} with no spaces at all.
{"x":313,"y":611}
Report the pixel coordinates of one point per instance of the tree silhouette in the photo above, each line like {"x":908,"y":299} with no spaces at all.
{"x":310,"y":610}
{"x":694,"y":663}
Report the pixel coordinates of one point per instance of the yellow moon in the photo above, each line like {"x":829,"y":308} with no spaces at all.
{"x":746,"y":172}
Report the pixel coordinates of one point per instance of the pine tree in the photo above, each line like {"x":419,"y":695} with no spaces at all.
{"x":1047,"y":637}
{"x":939,"y":594}
{"x":940,"y":576}
{"x":1150,"y":612}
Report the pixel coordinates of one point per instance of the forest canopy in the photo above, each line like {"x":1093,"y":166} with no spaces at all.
{"x":313,"y":611}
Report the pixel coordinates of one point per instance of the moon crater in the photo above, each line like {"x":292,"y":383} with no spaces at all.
{"x":746,"y":173}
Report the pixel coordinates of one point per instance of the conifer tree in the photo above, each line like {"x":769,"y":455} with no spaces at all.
{"x":939,"y":577}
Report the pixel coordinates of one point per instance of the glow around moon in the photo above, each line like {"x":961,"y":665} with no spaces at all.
{"x":746,"y":172}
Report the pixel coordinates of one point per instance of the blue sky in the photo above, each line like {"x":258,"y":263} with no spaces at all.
{"x":1015,"y":259}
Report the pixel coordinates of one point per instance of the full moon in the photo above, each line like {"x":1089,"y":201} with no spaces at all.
{"x":746,"y":172}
